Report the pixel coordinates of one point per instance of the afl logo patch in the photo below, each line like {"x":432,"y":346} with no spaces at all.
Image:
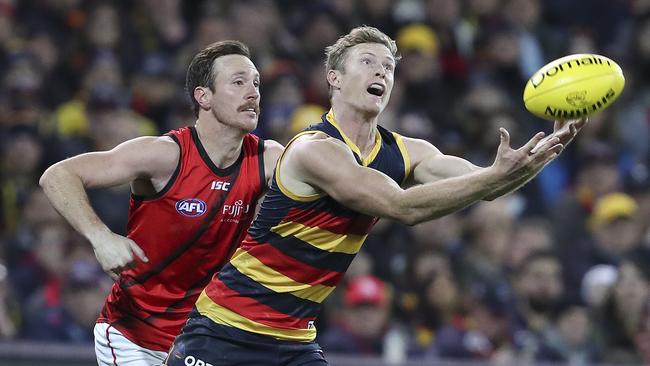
{"x":191,"y":207}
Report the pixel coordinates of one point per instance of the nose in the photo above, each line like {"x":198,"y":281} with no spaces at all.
{"x":252,"y":93}
{"x":381,"y":72}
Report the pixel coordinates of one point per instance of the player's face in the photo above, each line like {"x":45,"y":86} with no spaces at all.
{"x":236,"y":97}
{"x":367,"y":80}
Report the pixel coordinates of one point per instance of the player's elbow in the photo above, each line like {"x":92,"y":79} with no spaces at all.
{"x":406,"y":215}
{"x":52,"y":175}
{"x":46,"y":177}
{"x":412,"y":217}
{"x":410,"y":220}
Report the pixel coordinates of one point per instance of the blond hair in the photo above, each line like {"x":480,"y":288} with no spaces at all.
{"x":336,"y":53}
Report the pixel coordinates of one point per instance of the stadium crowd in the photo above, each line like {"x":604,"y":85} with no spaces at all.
{"x":558,"y":271}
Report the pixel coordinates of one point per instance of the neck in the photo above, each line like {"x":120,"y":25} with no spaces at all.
{"x":222,"y":142}
{"x":359,"y":126}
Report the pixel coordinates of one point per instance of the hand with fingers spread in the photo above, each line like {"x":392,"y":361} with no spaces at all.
{"x":529,"y":159}
{"x":565,"y":130}
{"x":115,"y":253}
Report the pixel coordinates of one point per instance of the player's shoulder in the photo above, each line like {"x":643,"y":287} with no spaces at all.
{"x":154,"y":144}
{"x":272,"y":147}
{"x":317,"y":146}
{"x":418,"y":145}
{"x":154,"y":151}
{"x":315,"y":139}
{"x":419,"y":149}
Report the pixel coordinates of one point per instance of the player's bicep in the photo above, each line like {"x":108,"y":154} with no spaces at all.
{"x":430,"y":165}
{"x":440,"y":167}
{"x":332,"y":168}
{"x":143,"y":158}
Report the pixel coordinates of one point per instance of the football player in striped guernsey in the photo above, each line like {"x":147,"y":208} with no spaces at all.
{"x":332,"y":183}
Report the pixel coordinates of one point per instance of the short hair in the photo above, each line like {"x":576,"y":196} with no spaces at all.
{"x":336,"y":53}
{"x":201,"y":71}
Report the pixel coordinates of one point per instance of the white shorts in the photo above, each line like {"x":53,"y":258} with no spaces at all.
{"x":114,"y":349}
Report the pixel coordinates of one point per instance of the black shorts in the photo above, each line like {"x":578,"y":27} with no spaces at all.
{"x":202,"y":342}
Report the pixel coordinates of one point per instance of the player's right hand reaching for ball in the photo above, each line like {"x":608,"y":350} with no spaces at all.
{"x":525,"y":163}
{"x":116,"y":253}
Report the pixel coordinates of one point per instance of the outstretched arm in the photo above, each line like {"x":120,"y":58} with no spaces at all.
{"x":325,"y":164}
{"x":65,"y":183}
{"x":430,"y":164}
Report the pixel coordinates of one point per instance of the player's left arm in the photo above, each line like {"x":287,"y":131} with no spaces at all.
{"x":428,"y":164}
{"x":272,"y":152}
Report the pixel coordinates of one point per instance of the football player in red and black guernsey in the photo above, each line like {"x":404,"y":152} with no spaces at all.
{"x":194,"y":193}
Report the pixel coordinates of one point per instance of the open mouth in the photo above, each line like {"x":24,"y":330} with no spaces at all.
{"x":248,"y":109}
{"x":376,"y":89}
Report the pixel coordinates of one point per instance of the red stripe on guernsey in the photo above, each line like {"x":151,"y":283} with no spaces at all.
{"x":110,"y":346}
{"x":357,"y":225}
{"x":221,"y":294}
{"x":289,"y":266}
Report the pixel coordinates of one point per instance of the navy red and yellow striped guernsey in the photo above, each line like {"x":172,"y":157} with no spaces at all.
{"x":296,"y":251}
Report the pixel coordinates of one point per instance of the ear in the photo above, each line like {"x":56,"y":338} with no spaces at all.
{"x":334,"y":78}
{"x":202,"y":96}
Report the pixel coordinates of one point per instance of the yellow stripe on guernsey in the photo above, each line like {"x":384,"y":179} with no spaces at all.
{"x":405,"y":155}
{"x":321,"y":239}
{"x":224,"y":316}
{"x":373,"y":153}
{"x":276,"y":281}
{"x":285,"y":190}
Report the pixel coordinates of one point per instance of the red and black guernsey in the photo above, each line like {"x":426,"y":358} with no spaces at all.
{"x":296,"y":251}
{"x":188,"y":231}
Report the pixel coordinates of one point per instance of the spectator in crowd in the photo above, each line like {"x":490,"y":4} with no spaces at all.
{"x":529,"y":235}
{"x":613,"y":232}
{"x":570,"y":339}
{"x":484,"y":257}
{"x":68,"y":313}
{"x":538,"y":294}
{"x":21,"y":154}
{"x":482,"y":335}
{"x":623,"y":312}
{"x":597,"y":283}
{"x":430,"y":299}
{"x":360,"y":325}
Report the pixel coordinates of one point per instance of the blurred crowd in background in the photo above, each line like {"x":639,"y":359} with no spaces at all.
{"x":559,"y":271}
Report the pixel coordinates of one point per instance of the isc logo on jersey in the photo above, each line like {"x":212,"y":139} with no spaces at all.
{"x":220,"y":186}
{"x":191,"y":207}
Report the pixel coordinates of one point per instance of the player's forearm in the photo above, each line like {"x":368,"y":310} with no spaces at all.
{"x":510,"y":187}
{"x":513,"y":185}
{"x":66,"y":192}
{"x":433,"y":200}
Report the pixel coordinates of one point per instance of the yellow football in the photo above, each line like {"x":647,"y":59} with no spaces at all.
{"x":574,"y":86}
